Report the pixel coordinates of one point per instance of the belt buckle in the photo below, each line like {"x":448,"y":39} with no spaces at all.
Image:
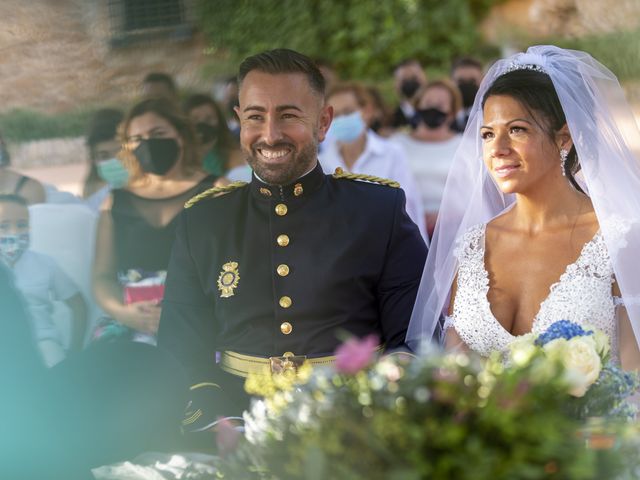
{"x":287,"y":364}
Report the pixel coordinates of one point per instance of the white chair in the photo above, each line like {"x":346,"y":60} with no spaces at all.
{"x":66,"y":232}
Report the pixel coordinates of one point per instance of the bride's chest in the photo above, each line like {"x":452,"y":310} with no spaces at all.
{"x":521,"y":279}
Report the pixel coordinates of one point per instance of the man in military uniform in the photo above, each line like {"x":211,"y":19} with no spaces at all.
{"x":278,"y":271}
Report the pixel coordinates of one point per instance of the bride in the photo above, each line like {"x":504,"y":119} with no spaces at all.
{"x":540,"y":215}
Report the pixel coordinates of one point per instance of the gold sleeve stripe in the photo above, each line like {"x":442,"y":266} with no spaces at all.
{"x":340,"y":173}
{"x":212,"y":192}
{"x":196,"y":415}
{"x":204,"y":384}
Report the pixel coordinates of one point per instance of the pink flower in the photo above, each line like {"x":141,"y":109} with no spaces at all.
{"x":355,"y":354}
{"x":227,"y":437}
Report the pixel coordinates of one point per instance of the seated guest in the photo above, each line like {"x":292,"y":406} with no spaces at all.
{"x":377,"y":111}
{"x":40,"y":280}
{"x":218,"y":148}
{"x":91,"y":409}
{"x":431,"y":144}
{"x":137,"y":223}
{"x":466,"y":73}
{"x":408,"y":77}
{"x":356,"y":148}
{"x":105,"y":170}
{"x":12,"y":182}
{"x":159,"y":85}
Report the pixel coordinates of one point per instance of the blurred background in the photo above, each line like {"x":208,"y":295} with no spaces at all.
{"x":61,"y":60}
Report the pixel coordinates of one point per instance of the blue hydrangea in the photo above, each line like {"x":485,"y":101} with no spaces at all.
{"x":562,"y":329}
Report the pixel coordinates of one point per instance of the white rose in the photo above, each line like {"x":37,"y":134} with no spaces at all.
{"x":602,"y":343}
{"x":555,"y":348}
{"x":582,"y":364}
{"x":522,"y":349}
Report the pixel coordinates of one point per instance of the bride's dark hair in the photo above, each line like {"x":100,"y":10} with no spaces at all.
{"x":535,"y":92}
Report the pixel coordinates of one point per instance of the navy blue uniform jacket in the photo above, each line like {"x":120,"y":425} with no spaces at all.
{"x":343,"y":254}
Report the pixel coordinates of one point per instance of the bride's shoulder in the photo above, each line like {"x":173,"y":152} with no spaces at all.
{"x":470,"y":241}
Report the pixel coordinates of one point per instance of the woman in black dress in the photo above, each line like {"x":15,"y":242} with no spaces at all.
{"x":137,"y":222}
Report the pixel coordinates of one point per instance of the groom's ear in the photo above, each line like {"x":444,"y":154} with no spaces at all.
{"x":563,"y":138}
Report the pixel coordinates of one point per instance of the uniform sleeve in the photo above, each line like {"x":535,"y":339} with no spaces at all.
{"x":62,"y":287}
{"x":401,"y":274}
{"x":187,"y":327}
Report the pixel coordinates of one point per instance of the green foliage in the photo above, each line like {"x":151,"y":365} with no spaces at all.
{"x":437,"y":417}
{"x":362,"y":38}
{"x":619,"y":51}
{"x":25,"y":125}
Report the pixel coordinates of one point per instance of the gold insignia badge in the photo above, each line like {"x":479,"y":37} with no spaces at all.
{"x":297,"y":189}
{"x":228,"y":279}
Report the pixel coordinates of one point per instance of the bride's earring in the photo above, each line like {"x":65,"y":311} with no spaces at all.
{"x":564,"y":153}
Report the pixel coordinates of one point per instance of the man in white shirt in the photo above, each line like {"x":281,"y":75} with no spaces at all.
{"x":352,"y":146}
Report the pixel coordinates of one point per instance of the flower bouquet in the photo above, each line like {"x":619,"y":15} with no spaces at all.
{"x":597,"y":385}
{"x":437,"y":416}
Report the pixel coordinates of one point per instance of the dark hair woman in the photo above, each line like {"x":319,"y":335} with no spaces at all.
{"x":218,"y":148}
{"x":525,"y":242}
{"x":137,"y":224}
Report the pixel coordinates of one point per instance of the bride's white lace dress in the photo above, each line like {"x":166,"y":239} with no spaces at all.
{"x":582,"y":295}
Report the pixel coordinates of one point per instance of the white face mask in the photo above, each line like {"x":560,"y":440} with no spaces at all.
{"x":13,"y":246}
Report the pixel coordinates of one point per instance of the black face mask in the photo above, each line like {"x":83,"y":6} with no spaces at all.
{"x":431,"y":117}
{"x":5,"y":159}
{"x":468,"y":89}
{"x":157,"y":155}
{"x":409,"y":87}
{"x":206,"y":132}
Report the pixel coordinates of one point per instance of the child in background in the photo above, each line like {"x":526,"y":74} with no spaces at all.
{"x":40,"y":280}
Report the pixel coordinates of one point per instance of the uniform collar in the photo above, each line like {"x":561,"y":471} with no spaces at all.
{"x":302,"y":187}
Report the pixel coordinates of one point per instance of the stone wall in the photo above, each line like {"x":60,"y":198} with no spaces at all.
{"x":55,"y":56}
{"x":512,"y":20}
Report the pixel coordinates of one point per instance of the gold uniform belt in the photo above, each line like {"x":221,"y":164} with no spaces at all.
{"x":243,"y":365}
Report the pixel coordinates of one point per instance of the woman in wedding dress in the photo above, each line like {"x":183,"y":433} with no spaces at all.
{"x":540,"y":215}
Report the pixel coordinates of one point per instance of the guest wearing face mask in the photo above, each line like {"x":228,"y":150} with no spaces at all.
{"x":12,"y":182}
{"x":137,"y":223}
{"x":41,"y":281}
{"x":408,"y":78}
{"x":431,"y":144}
{"x":106,"y":171}
{"x":356,"y":148}
{"x":467,"y":74}
{"x":218,"y":148}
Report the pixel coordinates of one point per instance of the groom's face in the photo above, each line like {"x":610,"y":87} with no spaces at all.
{"x":517,"y":148}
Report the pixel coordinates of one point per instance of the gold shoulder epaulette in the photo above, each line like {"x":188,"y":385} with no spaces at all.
{"x":340,"y":173}
{"x":212,"y":192}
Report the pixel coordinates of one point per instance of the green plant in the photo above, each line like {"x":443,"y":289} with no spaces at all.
{"x":437,"y":417}
{"x":361,"y":38}
{"x":25,"y":125}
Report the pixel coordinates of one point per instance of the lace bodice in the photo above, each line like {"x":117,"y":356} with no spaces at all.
{"x":582,"y":295}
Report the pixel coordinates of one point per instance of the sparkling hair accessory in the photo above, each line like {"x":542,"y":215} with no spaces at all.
{"x":527,"y":61}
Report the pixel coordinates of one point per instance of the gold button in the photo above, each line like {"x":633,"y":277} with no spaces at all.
{"x":285,"y":302}
{"x":286,"y":328}
{"x":281,"y":209}
{"x":283,"y":240}
{"x":265,"y":191}
{"x":283,"y":270}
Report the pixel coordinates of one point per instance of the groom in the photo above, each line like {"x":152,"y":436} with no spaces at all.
{"x":279,"y":271}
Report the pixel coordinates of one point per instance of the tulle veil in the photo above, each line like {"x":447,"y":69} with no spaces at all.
{"x":607,"y":140}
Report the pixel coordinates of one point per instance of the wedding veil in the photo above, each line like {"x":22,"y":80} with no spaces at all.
{"x":607,"y":140}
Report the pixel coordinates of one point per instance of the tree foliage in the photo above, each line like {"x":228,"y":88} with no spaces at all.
{"x":361,"y":38}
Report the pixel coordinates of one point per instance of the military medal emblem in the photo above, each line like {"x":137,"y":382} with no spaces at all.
{"x":228,"y":279}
